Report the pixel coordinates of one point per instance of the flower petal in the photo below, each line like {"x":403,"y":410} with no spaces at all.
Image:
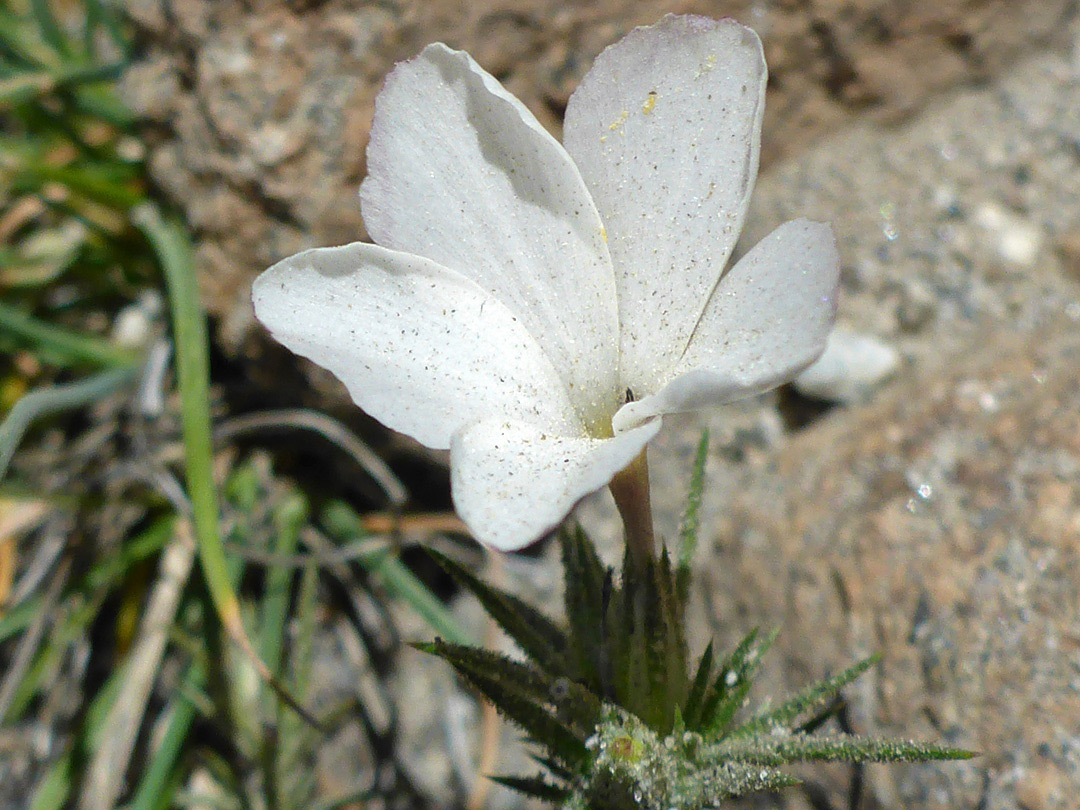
{"x":513,"y":482}
{"x":421,"y":348}
{"x":459,"y":171}
{"x":768,"y":318}
{"x":665,"y":129}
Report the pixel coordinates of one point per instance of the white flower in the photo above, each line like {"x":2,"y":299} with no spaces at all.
{"x":519,"y":290}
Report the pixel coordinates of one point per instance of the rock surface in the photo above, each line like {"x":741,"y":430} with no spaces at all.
{"x":939,"y":526}
{"x":260,"y":111}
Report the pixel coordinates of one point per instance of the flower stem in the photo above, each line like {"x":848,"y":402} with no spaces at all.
{"x":631,"y":491}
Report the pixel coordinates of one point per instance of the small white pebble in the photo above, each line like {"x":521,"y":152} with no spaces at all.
{"x":852,"y":365}
{"x":1016,"y":240}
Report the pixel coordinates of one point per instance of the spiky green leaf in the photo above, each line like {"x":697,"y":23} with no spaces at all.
{"x":690,"y":525}
{"x":587,"y":587}
{"x":812,"y":699}
{"x":541,"y":640}
{"x":774,"y":751}
{"x":667,"y":645}
{"x":556,"y":712}
{"x":691,"y":712}
{"x":535,"y":786}
{"x":732,"y":683}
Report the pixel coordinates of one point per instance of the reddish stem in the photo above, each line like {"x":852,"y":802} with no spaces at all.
{"x":631,"y":491}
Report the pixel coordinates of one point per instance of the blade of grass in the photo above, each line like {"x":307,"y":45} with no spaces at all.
{"x":53,"y":790}
{"x":24,"y":87}
{"x":49,"y":28}
{"x":104,"y":778}
{"x":345,"y":525}
{"x":152,"y":790}
{"x":99,"y":15}
{"x":56,"y":399}
{"x":289,"y":517}
{"x":78,"y":347}
{"x":170,"y":242}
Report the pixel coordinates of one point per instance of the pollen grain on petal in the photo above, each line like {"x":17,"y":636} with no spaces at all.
{"x":617,"y":124}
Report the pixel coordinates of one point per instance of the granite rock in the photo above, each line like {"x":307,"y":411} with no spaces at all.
{"x":257,"y":113}
{"x":940,"y":527}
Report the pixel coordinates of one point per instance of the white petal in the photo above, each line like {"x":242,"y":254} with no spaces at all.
{"x":513,"y":482}
{"x":768,"y":318}
{"x":461,"y":172}
{"x":421,"y":348}
{"x":665,"y":130}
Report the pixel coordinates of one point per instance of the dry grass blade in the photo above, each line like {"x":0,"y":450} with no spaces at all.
{"x":105,"y":775}
{"x":330,"y":429}
{"x":28,"y":644}
{"x":16,"y":516}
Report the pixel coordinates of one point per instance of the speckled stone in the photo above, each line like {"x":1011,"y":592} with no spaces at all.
{"x":939,"y":526}
{"x":258,"y":113}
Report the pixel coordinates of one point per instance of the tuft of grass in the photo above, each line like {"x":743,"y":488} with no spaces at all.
{"x":161,"y":595}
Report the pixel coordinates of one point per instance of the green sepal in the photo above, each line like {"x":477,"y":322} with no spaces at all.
{"x":691,"y":712}
{"x":587,"y":589}
{"x":690,"y":526}
{"x":666,"y":649}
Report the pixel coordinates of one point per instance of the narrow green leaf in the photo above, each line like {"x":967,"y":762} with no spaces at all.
{"x":773,"y":751}
{"x":733,"y":779}
{"x":172,"y":245}
{"x":173,"y":248}
{"x":691,"y":712}
{"x":584,"y":594}
{"x":73,"y":345}
{"x":672,"y":635}
{"x":812,"y":699}
{"x":53,"y":790}
{"x":690,"y":525}
{"x":99,"y":15}
{"x":56,"y":399}
{"x":150,"y":792}
{"x":535,"y":786}
{"x":521,"y":692}
{"x":542,"y":641}
{"x":732,"y":684}
{"x":342,"y":523}
{"x":288,"y":518}
{"x":403,"y":584}
{"x":50,"y":29}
